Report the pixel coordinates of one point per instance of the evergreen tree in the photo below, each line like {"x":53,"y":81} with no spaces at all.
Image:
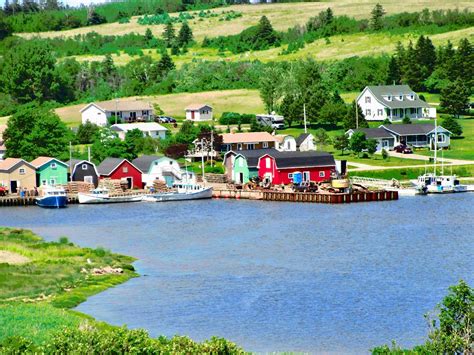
{"x":393,"y":74}
{"x":148,"y":35}
{"x":169,"y":34}
{"x":452,"y":125}
{"x":94,"y":18}
{"x":165,"y":64}
{"x":464,"y":62}
{"x":265,"y":35}
{"x":376,"y":21}
{"x":5,"y":28}
{"x":350,"y":120}
{"x":412,"y":74}
{"x":425,"y":57}
{"x":185,"y":35}
{"x":455,"y":98}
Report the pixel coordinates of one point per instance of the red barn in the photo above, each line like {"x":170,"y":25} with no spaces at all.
{"x":288,"y":167}
{"x":121,"y":169}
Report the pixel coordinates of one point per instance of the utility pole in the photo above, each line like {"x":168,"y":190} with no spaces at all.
{"x":304,"y":116}
{"x":212,"y":146}
{"x":202,"y":159}
{"x":357,"y":114}
{"x":116,"y":108}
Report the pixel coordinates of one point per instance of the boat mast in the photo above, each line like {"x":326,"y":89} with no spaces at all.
{"x":435,"y":146}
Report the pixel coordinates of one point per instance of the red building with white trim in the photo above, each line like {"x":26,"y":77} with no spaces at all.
{"x":289,"y":167}
{"x":121,"y":169}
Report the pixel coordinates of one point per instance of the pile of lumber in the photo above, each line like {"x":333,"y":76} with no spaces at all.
{"x":73,"y":187}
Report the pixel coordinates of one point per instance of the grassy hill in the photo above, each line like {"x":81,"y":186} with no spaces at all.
{"x":243,"y":101}
{"x":282,"y":16}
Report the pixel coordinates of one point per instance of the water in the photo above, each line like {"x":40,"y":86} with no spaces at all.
{"x":275,"y":276}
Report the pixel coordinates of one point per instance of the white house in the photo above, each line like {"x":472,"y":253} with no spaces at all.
{"x":152,"y":129}
{"x":414,"y":135}
{"x":125,"y":111}
{"x":199,"y":112}
{"x":305,"y":142}
{"x":285,"y":143}
{"x":393,"y":102}
{"x":162,"y":168}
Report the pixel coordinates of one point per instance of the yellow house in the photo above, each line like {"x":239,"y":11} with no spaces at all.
{"x":16,"y":173}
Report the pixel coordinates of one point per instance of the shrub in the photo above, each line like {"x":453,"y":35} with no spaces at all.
{"x":384,"y":154}
{"x":406,"y":120}
{"x":235,"y":118}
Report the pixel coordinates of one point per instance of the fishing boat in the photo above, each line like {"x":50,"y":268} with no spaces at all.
{"x":181,"y":192}
{"x":102,"y":195}
{"x":52,"y":197}
{"x":432,"y":183}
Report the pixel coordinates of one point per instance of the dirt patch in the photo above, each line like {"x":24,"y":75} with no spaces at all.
{"x":12,"y":258}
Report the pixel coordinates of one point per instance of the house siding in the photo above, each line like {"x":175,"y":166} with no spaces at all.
{"x":203,"y":114}
{"x":26,"y":180}
{"x":94,"y":115}
{"x":131,"y":172}
{"x":80,"y":174}
{"x":245,"y":146}
{"x":49,"y":174}
{"x":280,"y":176}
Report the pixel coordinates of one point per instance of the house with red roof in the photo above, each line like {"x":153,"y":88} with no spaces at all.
{"x":121,"y":169}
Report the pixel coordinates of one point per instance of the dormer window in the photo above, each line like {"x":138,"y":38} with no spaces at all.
{"x":389,"y":97}
{"x":53,"y":166}
{"x":367,"y":99}
{"x":400,"y":97}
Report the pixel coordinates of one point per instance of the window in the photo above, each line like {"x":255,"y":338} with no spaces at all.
{"x":265,"y":145}
{"x":441,"y":138}
{"x":412,"y":110}
{"x":250,"y":146}
{"x":306,"y":176}
{"x":84,"y":167}
{"x":400,"y":97}
{"x":125,"y":169}
{"x":53,"y":166}
{"x":368,"y":112}
{"x":367,"y":99}
{"x":43,"y":182}
{"x":322,"y":174}
{"x":290,"y":176}
{"x":268,"y":163}
{"x":239,"y":146}
{"x":22,"y":171}
{"x":89,"y":179}
{"x":389,"y":98}
{"x":52,"y":182}
{"x":379,"y":112}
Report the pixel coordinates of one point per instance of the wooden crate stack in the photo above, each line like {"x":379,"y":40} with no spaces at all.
{"x":113,"y":185}
{"x":73,"y":187}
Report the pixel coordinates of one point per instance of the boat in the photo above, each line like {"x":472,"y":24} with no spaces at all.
{"x":182,"y":191}
{"x":433,"y":183}
{"x":102,"y":195}
{"x":52,"y":197}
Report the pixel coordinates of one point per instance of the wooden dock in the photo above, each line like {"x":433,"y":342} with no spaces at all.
{"x":329,"y":198}
{"x":13,"y":200}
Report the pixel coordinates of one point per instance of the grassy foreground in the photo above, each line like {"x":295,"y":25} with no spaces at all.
{"x":41,"y":281}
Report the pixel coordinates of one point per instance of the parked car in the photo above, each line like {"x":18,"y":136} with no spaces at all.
{"x":165,"y":119}
{"x":403,"y":148}
{"x":3,"y":191}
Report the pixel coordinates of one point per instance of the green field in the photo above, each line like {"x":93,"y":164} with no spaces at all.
{"x":413,"y":173}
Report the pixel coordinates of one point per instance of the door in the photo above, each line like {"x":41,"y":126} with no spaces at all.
{"x":89,"y":179}
{"x":129,"y":183}
{"x":241,"y":178}
{"x":13,"y":186}
{"x":306,"y":176}
{"x":133,"y":116}
{"x":192,"y":115}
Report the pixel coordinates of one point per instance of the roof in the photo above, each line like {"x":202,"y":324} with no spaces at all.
{"x":144,"y":127}
{"x":121,"y":105}
{"x":109,"y":165}
{"x":301,"y":138}
{"x":195,"y":107}
{"x":373,"y":133}
{"x":249,"y":137}
{"x":252,"y":156}
{"x":144,"y":162}
{"x":302,"y":159}
{"x":10,"y":164}
{"x":411,"y":129}
{"x":40,"y":161}
{"x":281,"y":137}
{"x":75,"y":163}
{"x":380,"y":91}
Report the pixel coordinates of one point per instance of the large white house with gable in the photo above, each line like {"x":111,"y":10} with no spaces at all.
{"x":125,"y":111}
{"x":393,"y":102}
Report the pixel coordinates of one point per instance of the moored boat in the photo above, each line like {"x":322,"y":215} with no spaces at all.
{"x":102,"y":195}
{"x":182,"y":192}
{"x":52,"y":197}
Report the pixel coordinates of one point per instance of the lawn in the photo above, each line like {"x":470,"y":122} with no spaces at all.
{"x":40,"y":281}
{"x":412,"y":173}
{"x":243,"y":101}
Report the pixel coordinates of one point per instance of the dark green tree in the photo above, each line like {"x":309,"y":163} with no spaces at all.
{"x":134,"y":142}
{"x":270,"y":87}
{"x":185,"y":35}
{"x":341,"y":142}
{"x":5,"y":28}
{"x":455,"y":98}
{"x":28,"y":72}
{"x":86,"y":133}
{"x":94,"y":18}
{"x":371,"y":146}
{"x":452,"y":125}
{"x":148,"y":35}
{"x":376,"y":20}
{"x":393,"y":74}
{"x":265,"y":35}
{"x":36,"y":131}
{"x":165,"y":64}
{"x":169,"y":35}
{"x":107,"y":144}
{"x":357,"y":142}
{"x":406,"y":120}
{"x":321,"y":136}
{"x":351,"y":120}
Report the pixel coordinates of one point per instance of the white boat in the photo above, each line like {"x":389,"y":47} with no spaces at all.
{"x":52,"y":197}
{"x":182,"y":192}
{"x":433,"y":183}
{"x":102,"y":195}
{"x":406,"y":191}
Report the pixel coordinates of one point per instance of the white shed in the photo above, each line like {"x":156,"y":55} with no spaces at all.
{"x":199,"y":112}
{"x":152,"y":129}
